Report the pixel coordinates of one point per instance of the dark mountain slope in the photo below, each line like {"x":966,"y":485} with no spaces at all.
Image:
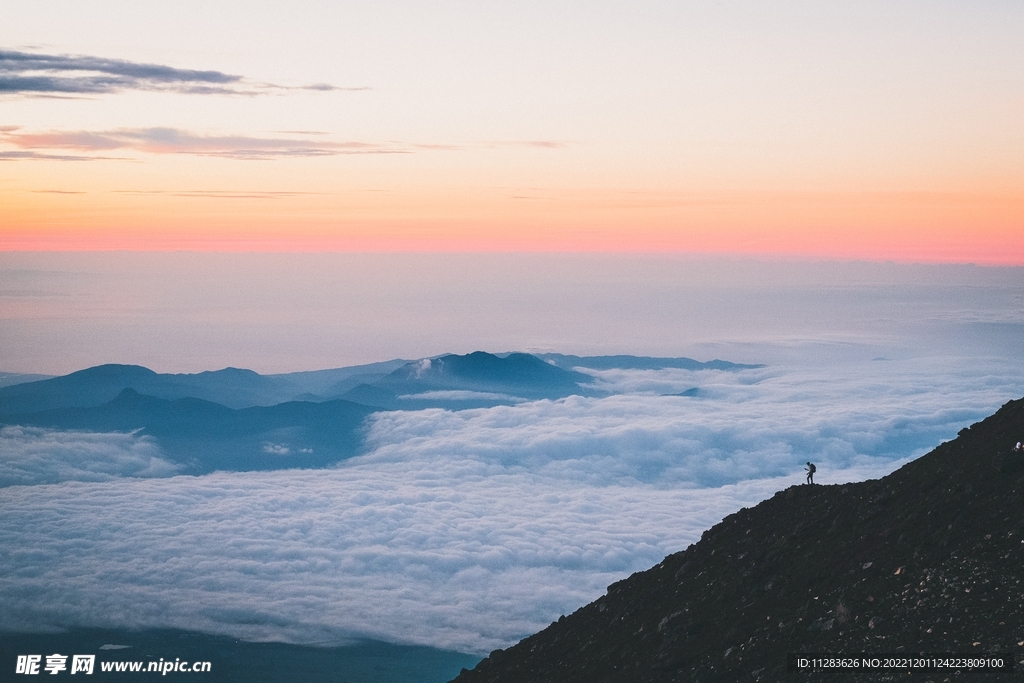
{"x":207,"y":436}
{"x":927,"y":559}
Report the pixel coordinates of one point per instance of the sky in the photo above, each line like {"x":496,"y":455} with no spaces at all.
{"x":848,"y":130}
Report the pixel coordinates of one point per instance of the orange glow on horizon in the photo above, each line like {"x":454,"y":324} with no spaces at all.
{"x":907,"y":226}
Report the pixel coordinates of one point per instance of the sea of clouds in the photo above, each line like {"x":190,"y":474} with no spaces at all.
{"x":462,"y":530}
{"x":32,"y":455}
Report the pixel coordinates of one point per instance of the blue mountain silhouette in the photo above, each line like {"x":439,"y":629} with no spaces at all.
{"x":206,"y":436}
{"x":232,"y":387}
{"x":476,"y":379}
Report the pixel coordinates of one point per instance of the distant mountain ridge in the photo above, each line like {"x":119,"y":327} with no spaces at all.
{"x":240,"y":420}
{"x":522,"y":373}
{"x":238,"y":661}
{"x":517,"y":375}
{"x":929,"y":559}
{"x":97,"y":385}
{"x":476,"y":379}
{"x":206,"y":436}
{"x":327,"y":384}
{"x":232,"y":387}
{"x":11,"y":378}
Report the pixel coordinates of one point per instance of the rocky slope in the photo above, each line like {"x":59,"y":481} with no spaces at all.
{"x":926,"y":560}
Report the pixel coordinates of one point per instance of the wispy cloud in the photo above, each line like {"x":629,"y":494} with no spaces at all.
{"x":535,"y":144}
{"x":505,"y":144}
{"x":176,"y":141}
{"x":542,"y":144}
{"x":219,"y":194}
{"x":22,"y":155}
{"x":47,"y":145}
{"x":29,"y":455}
{"x":34,"y":74}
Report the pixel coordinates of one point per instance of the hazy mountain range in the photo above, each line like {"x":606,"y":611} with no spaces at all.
{"x":235,"y":419}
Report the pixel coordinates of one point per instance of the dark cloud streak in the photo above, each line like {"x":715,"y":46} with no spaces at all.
{"x":37,"y":156}
{"x":42,"y":75}
{"x":26,"y":73}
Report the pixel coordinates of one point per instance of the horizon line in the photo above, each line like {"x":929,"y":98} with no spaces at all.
{"x":715,"y":254}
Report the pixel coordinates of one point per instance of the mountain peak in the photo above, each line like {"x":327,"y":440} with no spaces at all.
{"x":112,"y":371}
{"x":518,"y":374}
{"x":229,"y":372}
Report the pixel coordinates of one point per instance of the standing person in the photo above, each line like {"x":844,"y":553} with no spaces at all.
{"x":811,"y":469}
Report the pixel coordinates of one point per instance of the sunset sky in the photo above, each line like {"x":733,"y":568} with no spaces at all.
{"x":830,"y":192}
{"x":853,"y":130}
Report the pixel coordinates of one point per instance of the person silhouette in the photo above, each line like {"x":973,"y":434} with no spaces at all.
{"x":811,"y":469}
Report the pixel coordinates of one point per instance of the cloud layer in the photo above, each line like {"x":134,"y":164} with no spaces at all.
{"x":743,"y":425}
{"x":30,"y":455}
{"x":469,"y":530}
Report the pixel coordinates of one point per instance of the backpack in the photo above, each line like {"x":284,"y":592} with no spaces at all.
{"x":813,"y":469}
